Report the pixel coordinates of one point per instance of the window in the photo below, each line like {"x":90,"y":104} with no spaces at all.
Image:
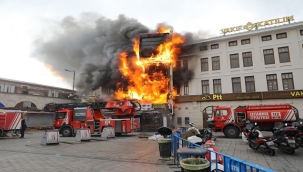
{"x":204,"y":64}
{"x":60,"y":115}
{"x":178,"y":64}
{"x":203,"y":48}
{"x":234,"y":60}
{"x":186,"y":89}
{"x":250,"y":84}
{"x":214,"y":46}
{"x":221,"y":113}
{"x":283,"y":54}
{"x":287,"y":80}
{"x":217,"y":86}
{"x":205,"y":86}
{"x":236,"y":83}
{"x":178,"y":90}
{"x":186,"y":120}
{"x":269,"y":57}
{"x":266,"y":38}
{"x":24,"y":89}
{"x":232,"y":43}
{"x":216,"y":63}
{"x":179,"y":120}
{"x":301,"y":32}
{"x":247,"y":59}
{"x":185,"y":64}
{"x":281,"y":35}
{"x":272,"y":82}
{"x":245,"y":41}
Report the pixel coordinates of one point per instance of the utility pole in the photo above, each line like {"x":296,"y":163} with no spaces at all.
{"x":73,"y":77}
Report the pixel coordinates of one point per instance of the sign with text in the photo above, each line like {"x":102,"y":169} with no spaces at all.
{"x":250,"y":26}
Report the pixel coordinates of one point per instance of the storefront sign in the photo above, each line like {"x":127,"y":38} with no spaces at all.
{"x":242,"y":96}
{"x":250,"y":26}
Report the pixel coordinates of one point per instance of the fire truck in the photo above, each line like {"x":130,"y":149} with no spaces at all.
{"x":119,"y":114}
{"x":232,"y":121}
{"x":10,"y":121}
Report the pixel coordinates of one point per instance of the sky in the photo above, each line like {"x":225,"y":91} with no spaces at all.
{"x":30,"y":28}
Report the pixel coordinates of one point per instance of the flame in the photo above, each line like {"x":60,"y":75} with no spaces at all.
{"x":146,"y":86}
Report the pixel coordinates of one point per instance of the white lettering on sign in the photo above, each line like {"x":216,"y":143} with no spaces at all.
{"x":259,"y":115}
{"x":235,"y":168}
{"x":275,"y":115}
{"x":80,"y":114}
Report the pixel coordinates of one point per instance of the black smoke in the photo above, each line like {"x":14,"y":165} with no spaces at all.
{"x":91,"y":46}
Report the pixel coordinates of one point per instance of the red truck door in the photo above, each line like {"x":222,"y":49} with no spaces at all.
{"x":221,"y":116}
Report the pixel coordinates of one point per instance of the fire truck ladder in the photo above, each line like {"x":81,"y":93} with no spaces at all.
{"x":52,"y":107}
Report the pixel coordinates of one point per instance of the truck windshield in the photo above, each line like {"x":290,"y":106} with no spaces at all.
{"x":60,"y":115}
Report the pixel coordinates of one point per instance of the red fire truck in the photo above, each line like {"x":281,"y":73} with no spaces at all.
{"x":232,"y":121}
{"x":10,"y":121}
{"x":120,"y":114}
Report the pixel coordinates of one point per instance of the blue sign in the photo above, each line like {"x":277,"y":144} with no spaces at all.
{"x":1,"y":105}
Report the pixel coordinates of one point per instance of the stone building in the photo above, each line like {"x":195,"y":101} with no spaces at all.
{"x":260,"y":66}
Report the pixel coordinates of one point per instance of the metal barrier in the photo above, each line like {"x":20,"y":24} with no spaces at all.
{"x":231,"y":164}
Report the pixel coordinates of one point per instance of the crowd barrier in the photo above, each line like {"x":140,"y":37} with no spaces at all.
{"x":231,"y":164}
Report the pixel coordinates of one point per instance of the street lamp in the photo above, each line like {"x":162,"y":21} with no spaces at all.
{"x":73,"y":77}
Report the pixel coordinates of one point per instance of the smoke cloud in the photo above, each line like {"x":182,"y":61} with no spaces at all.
{"x":91,"y":46}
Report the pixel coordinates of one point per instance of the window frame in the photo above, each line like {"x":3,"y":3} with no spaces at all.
{"x":234,"y":60}
{"x":179,"y":120}
{"x":186,"y":88}
{"x":301,"y":32}
{"x":236,"y":84}
{"x":274,"y":80}
{"x":250,"y":84}
{"x":289,"y":79}
{"x":233,"y":43}
{"x":265,"y":55}
{"x":288,"y":56}
{"x":186,"y":120}
{"x":215,"y":63}
{"x":205,"y":86}
{"x":216,"y":86}
{"x":243,"y":41}
{"x":280,"y":34}
{"x":247,"y":58}
{"x":266,"y":36}
{"x":203,"y":48}
{"x":204,"y":64}
{"x":214,"y":46}
{"x":185,"y":64}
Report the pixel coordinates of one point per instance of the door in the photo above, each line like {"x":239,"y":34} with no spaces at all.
{"x":220,"y":117}
{"x":207,"y":115}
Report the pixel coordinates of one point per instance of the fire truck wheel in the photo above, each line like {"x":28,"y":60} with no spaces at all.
{"x":66,"y":132}
{"x":231,"y":132}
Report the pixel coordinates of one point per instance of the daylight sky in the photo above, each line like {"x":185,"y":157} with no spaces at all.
{"x":23,"y":21}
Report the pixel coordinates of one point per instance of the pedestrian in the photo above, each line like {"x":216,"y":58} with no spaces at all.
{"x":23,"y":126}
{"x":191,"y":126}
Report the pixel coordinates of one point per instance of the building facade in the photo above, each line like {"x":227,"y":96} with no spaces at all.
{"x":31,"y":94}
{"x":263,"y":66}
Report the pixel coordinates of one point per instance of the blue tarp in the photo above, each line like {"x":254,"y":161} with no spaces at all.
{"x":1,"y":105}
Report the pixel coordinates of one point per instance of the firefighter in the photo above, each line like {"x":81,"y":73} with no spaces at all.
{"x":23,"y":126}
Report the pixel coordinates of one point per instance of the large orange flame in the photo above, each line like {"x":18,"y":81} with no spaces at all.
{"x":145,"y":86}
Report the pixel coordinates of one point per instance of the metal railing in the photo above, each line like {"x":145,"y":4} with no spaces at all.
{"x":231,"y":164}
